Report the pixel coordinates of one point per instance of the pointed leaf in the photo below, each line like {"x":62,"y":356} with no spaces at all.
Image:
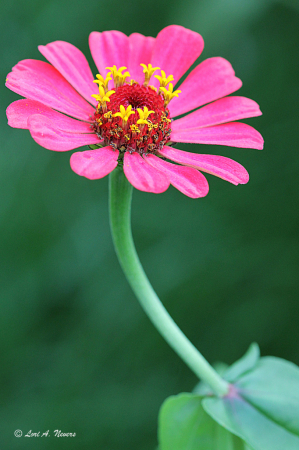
{"x":244,"y":364}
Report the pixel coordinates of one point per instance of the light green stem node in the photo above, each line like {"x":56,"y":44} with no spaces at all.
{"x":120,"y":220}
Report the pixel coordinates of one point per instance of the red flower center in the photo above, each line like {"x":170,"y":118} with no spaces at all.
{"x":128,"y":135}
{"x":134,"y":117}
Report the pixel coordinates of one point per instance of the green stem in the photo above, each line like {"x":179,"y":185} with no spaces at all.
{"x":120,"y":221}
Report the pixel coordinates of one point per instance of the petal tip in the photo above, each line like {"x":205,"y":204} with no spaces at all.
{"x":239,"y":83}
{"x":245,"y":178}
{"x":94,"y":164}
{"x":8,"y":115}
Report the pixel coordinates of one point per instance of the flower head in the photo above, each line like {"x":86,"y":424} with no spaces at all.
{"x":126,"y":114}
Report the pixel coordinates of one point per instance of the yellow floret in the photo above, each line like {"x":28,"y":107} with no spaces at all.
{"x":118,"y":76}
{"x":163,"y":79}
{"x":101,"y":81}
{"x":169,"y":94}
{"x":143,"y":115}
{"x":148,"y":71}
{"x":103,"y":96}
{"x":124,"y":113}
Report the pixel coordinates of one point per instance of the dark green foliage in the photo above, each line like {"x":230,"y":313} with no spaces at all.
{"x":77,"y":352}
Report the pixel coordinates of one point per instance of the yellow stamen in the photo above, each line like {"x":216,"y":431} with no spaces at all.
{"x":123,"y":78}
{"x":119,"y":77}
{"x":134,"y":128}
{"x":151,"y":125}
{"x":103,"y":81}
{"x":163,"y":79}
{"x":103,"y":96}
{"x":148,"y":71}
{"x":124,"y":113}
{"x":169,"y":94}
{"x":143,"y":115}
{"x":113,"y":70}
{"x":108,"y":115}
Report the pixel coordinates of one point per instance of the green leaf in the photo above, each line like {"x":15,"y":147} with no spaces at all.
{"x":244,"y":364}
{"x":273,"y":388}
{"x":251,"y":425}
{"x":184,"y":425}
{"x":263,"y":408}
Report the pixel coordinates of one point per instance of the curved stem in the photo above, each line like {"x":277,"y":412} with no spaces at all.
{"x":120,"y":221}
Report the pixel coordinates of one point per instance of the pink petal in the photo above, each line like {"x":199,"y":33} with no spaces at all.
{"x":224,"y":110}
{"x":141,"y":49}
{"x":176,"y":48}
{"x":233,"y":134}
{"x":73,"y":65}
{"x":94,"y":164}
{"x":220,"y":166}
{"x":109,"y":48}
{"x":187,"y":180}
{"x":47,"y":134}
{"x":143,"y":176}
{"x":18,"y":113}
{"x":38,"y":80}
{"x":212,"y":79}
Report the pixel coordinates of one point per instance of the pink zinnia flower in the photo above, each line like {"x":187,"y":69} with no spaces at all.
{"x":126,"y":114}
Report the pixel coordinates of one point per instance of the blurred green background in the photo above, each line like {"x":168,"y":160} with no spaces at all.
{"x":77,"y":352}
